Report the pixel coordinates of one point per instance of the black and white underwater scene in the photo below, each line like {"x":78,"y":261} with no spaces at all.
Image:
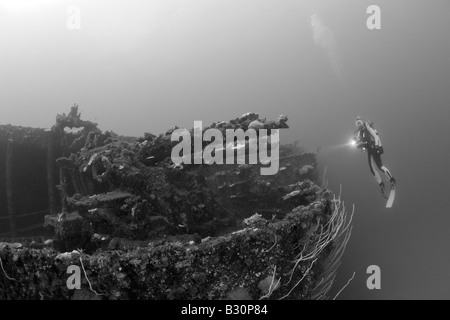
{"x":224,"y":150}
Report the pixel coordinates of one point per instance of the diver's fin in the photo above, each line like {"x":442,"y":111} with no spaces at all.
{"x":391,"y":198}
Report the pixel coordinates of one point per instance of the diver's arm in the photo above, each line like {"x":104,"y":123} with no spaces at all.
{"x":361,"y":145}
{"x":358,"y":138}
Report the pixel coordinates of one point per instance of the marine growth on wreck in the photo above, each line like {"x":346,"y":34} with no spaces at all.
{"x":137,"y":226}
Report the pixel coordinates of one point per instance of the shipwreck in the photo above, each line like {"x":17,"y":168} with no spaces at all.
{"x":139,"y":226}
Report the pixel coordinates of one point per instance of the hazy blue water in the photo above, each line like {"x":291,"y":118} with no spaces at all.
{"x":147,"y":65}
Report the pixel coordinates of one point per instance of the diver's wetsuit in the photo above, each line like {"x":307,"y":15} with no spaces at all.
{"x":369,"y":137}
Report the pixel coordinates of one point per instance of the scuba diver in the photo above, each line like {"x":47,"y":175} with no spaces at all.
{"x":367,"y":139}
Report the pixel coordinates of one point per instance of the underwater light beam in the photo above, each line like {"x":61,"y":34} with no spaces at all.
{"x":351,"y":143}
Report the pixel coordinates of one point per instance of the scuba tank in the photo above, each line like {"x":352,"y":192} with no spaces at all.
{"x":379,"y":149}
